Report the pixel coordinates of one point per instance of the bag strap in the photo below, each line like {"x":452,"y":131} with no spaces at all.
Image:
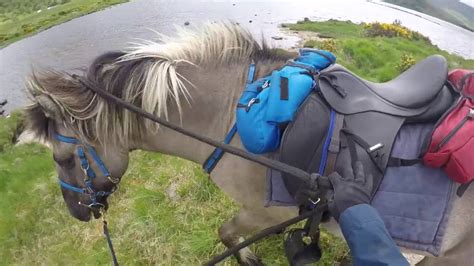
{"x":335,"y":144}
{"x":462,"y":84}
{"x":397,"y":162}
{"x":462,"y":188}
{"x":217,"y":154}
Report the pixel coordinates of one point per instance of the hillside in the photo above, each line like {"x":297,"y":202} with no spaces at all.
{"x":22,"y":18}
{"x":452,"y":11}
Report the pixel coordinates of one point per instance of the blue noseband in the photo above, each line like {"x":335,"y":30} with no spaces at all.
{"x":88,"y":171}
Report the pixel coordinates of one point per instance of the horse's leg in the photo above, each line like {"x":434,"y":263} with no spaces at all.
{"x":244,"y":181}
{"x":247,"y":221}
{"x":458,"y":243}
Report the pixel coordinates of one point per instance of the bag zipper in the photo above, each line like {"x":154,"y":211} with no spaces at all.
{"x":469,"y":115}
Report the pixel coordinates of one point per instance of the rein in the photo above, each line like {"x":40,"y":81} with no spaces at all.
{"x":274,"y":164}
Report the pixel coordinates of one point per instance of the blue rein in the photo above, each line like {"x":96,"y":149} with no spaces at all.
{"x":89,"y":172}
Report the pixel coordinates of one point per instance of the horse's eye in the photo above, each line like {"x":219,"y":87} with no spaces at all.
{"x":66,"y":163}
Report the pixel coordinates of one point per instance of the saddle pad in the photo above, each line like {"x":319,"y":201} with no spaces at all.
{"x":405,"y":197}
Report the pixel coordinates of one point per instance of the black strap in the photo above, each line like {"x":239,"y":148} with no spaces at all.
{"x":397,"y":162}
{"x":266,"y":232}
{"x":462,"y":188}
{"x":273,"y":164}
{"x":297,"y":251}
{"x":372,"y":150}
{"x":284,"y":91}
{"x":335,"y":144}
{"x":109,"y":243}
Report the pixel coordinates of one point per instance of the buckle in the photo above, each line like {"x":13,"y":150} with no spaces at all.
{"x":113,"y":179}
{"x":376,"y":147}
{"x":471,"y":113}
{"x":251,"y":102}
{"x":266,"y":84}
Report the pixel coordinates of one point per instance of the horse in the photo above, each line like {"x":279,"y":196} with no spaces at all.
{"x":194,"y":79}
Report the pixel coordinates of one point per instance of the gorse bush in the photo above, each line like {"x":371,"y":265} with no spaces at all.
{"x":406,"y":62}
{"x":390,"y":30}
{"x":329,"y":45}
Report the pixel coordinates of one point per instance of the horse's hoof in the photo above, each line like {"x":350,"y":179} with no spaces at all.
{"x":247,"y":258}
{"x":252,"y":262}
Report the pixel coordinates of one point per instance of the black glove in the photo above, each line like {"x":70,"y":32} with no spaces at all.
{"x":352,"y":189}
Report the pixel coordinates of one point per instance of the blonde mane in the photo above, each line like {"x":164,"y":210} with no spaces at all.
{"x":145,"y":75}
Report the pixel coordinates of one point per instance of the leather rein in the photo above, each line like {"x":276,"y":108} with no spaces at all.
{"x":313,"y":180}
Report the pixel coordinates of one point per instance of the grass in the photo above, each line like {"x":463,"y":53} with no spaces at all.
{"x":167,"y":211}
{"x":16,"y":26}
{"x":373,"y":58}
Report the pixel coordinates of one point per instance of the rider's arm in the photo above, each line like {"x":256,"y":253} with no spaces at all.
{"x":368,"y":239}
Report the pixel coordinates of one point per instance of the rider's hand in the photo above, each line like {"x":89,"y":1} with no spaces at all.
{"x":350,"y":190}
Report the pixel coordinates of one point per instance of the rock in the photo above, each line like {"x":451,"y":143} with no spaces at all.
{"x":171,"y":192}
{"x":186,"y":23}
{"x":233,"y":4}
{"x":250,"y":21}
{"x":277,"y":38}
{"x":255,"y":15}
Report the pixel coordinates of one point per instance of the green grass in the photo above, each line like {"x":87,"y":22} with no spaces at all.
{"x":166,"y":212}
{"x":15,"y":25}
{"x":373,"y":58}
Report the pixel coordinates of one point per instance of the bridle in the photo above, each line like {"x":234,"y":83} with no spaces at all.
{"x":89,"y":173}
{"x":89,"y":189}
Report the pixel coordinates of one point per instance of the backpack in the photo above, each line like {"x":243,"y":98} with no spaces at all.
{"x":269,"y":104}
{"x":452,"y":143}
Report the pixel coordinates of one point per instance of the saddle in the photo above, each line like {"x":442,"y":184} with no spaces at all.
{"x":358,"y":120}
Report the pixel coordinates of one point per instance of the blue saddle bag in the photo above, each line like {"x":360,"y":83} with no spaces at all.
{"x":268,"y":104}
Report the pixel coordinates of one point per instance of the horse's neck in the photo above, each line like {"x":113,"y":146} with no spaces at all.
{"x":211,"y":111}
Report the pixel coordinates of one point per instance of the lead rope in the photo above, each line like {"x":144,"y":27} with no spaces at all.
{"x":264,"y":233}
{"x":107,"y":237}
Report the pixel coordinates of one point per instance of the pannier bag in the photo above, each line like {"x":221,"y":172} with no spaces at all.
{"x":452,"y":142}
{"x":267,"y":105}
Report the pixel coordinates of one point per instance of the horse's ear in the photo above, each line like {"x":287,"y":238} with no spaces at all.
{"x":50,"y":108}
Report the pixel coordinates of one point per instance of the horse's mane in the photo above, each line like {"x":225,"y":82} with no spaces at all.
{"x":145,"y":75}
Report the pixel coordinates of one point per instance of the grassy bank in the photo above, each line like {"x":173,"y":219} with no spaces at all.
{"x":22,"y":18}
{"x":376,"y":58}
{"x":166,"y":211}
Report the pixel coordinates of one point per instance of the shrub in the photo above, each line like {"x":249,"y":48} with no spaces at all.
{"x":394,"y":29}
{"x":406,"y":61}
{"x":329,"y":45}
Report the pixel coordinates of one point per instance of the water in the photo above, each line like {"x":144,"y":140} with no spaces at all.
{"x":75,"y":43}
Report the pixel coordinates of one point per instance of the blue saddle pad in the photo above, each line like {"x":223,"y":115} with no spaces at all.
{"x":414,"y":201}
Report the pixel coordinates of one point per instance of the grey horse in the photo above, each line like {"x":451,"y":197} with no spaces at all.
{"x":195,"y":80}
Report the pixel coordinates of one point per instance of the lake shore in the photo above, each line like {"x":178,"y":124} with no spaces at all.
{"x":22,"y":26}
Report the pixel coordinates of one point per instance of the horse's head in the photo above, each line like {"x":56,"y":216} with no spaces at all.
{"x":88,"y":169}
